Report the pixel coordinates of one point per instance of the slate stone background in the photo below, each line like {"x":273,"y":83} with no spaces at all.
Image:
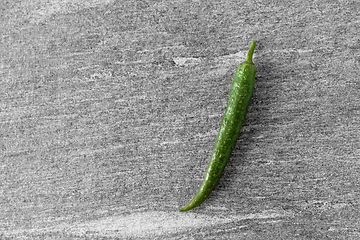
{"x":109,"y":111}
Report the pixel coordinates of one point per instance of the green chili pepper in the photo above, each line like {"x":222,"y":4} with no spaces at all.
{"x":240,"y":96}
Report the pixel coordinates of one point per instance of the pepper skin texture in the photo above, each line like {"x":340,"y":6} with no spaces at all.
{"x":239,"y":100}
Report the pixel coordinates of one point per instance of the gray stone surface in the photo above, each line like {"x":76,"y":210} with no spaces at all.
{"x":109,"y":111}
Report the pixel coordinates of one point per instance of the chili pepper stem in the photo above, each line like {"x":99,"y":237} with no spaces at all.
{"x":251,"y":52}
